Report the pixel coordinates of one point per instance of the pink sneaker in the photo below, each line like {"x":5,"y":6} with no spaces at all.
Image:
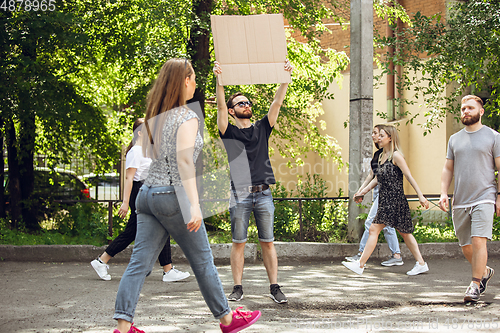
{"x":132,"y":330}
{"x":241,"y":320}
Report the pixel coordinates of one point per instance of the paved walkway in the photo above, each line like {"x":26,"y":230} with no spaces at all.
{"x":51,"y":297}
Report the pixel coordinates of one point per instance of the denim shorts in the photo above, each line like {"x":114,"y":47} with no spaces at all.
{"x":242,"y":205}
{"x":475,"y":221}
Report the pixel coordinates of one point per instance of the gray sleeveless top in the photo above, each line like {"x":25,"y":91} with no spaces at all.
{"x":163,"y":171}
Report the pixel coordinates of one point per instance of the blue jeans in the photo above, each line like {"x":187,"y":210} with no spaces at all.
{"x":262,"y":206}
{"x":389,"y":232}
{"x":124,"y":239}
{"x":158,"y":216}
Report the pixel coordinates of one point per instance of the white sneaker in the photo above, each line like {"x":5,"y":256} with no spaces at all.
{"x":101,"y":269}
{"x":418,"y":269}
{"x":175,"y":275}
{"x":353,"y":266}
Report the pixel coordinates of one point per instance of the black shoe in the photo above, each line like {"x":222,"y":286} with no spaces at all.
{"x":277,"y":295}
{"x":237,"y":293}
{"x":472,"y":293}
{"x":484,"y":281}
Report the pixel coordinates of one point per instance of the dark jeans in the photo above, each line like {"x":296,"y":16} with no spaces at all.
{"x":124,"y":239}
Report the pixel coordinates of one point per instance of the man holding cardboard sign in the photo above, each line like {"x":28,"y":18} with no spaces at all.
{"x":252,"y":142}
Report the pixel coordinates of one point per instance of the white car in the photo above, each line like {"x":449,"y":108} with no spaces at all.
{"x":103,"y":187}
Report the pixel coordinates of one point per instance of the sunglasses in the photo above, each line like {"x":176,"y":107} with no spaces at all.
{"x":243,"y":104}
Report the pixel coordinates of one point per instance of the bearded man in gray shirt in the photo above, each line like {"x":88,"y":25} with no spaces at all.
{"x":472,"y":157}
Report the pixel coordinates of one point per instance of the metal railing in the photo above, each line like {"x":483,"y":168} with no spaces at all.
{"x":300,"y":200}
{"x":411,"y":198}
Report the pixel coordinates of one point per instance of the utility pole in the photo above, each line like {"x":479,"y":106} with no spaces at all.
{"x":361,"y":106}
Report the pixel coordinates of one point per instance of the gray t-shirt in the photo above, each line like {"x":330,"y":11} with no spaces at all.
{"x":161,"y":172}
{"x":473,"y":155}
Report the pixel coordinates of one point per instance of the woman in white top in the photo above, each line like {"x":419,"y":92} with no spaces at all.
{"x":137,"y":167}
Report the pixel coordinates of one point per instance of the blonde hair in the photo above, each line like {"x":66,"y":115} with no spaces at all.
{"x":392,"y":132}
{"x":168,"y":92}
{"x":473,"y":97}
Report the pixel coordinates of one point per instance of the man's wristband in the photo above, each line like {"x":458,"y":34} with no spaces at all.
{"x":498,"y":193}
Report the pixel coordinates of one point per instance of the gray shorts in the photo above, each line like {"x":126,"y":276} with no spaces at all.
{"x":475,"y":221}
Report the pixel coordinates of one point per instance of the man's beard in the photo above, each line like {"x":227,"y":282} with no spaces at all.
{"x":471,"y":121}
{"x":243,"y":114}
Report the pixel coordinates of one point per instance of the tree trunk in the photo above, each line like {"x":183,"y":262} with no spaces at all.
{"x":198,"y":49}
{"x":27,"y":135}
{"x":14,"y":186}
{"x":2,"y":177}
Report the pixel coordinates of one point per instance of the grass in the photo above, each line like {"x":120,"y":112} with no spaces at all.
{"x":434,"y":233}
{"x":430,"y":233}
{"x":44,"y":237}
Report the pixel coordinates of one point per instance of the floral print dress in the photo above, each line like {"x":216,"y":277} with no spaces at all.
{"x":393,"y":208}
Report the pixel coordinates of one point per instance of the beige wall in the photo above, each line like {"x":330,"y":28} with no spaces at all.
{"x":425,"y":155}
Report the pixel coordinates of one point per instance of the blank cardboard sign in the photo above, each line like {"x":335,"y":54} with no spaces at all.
{"x":250,"y":49}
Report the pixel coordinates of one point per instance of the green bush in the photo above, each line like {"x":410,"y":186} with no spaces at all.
{"x":496,"y":228}
{"x":82,"y":223}
{"x":433,"y":232}
{"x":286,"y":226}
{"x":43,"y":237}
{"x":322,"y":220}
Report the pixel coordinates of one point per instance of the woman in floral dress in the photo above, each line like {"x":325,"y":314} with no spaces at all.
{"x":393,"y":209}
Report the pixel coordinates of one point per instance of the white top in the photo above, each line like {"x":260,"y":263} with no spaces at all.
{"x":135,"y":159}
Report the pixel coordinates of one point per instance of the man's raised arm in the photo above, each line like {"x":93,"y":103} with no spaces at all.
{"x":222,"y":114}
{"x":274,"y":110}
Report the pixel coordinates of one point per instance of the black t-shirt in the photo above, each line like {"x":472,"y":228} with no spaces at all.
{"x":374,"y":162}
{"x":255,"y":141}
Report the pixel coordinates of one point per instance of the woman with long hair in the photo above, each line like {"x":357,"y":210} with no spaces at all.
{"x":389,"y":232}
{"x":173,"y":140}
{"x":393,"y":208}
{"x":136,"y":170}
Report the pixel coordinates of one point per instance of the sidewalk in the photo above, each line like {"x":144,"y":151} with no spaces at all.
{"x":49,"y":296}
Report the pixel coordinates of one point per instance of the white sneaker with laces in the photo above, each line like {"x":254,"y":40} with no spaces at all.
{"x":418,"y":269}
{"x":353,"y":266}
{"x":175,"y":275}
{"x":101,"y":269}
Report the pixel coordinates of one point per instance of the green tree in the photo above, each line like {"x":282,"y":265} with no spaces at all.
{"x":40,"y":108}
{"x":462,"y":53}
{"x":75,"y":77}
{"x":188,"y":31}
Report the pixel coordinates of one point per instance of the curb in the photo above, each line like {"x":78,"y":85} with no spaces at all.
{"x":286,"y":251}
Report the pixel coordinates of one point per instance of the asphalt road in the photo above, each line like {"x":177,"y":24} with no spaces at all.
{"x":53,"y":297}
